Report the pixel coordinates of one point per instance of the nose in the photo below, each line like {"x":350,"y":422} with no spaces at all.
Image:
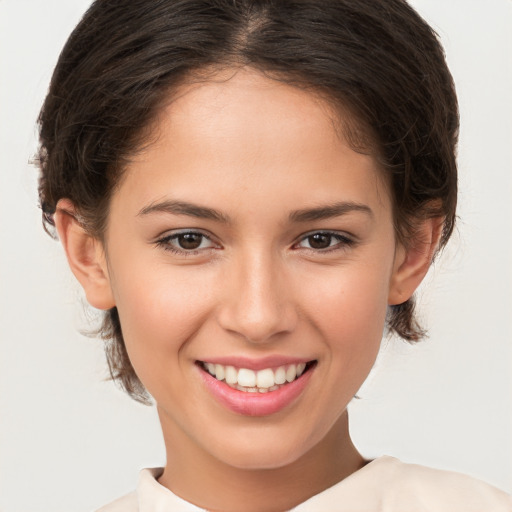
{"x":258,"y":303}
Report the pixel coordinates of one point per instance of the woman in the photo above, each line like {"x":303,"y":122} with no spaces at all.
{"x":218,"y":247}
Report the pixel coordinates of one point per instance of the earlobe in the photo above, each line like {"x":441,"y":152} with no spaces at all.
{"x":85,"y":255}
{"x":412,"y":262}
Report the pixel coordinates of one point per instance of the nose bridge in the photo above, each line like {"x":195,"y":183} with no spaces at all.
{"x":257,"y":305}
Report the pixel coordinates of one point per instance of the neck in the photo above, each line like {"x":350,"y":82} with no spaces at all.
{"x":203,"y":480}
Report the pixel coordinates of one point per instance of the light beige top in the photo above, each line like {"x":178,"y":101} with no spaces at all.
{"x":384,"y":485}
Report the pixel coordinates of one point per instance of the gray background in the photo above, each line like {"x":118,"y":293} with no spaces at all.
{"x":69,"y":441}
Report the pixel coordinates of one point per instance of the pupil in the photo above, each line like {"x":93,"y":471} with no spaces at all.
{"x":320,"y":241}
{"x":190,"y":240}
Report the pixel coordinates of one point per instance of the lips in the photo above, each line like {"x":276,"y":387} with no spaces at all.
{"x":255,"y":392}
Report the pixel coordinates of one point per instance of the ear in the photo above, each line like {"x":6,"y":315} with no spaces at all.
{"x":412,"y":262}
{"x":86,"y":256}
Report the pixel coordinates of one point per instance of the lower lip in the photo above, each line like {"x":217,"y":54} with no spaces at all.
{"x":256,"y":404}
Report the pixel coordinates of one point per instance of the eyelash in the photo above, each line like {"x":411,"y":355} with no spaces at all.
{"x":343,"y":242}
{"x":166,"y":243}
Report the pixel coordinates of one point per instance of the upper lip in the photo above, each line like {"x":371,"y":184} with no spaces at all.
{"x":262,"y":363}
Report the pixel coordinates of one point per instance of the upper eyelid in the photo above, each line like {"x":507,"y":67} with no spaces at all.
{"x":167,"y":242}
{"x":176,"y":232}
{"x":183,"y":231}
{"x":345,"y":240}
{"x":333,"y":232}
{"x":168,"y":237}
{"x":208,"y":234}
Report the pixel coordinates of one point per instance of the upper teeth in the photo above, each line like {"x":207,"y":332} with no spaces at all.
{"x":262,"y":380}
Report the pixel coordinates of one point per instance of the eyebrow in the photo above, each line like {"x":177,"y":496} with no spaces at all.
{"x":329,"y":211}
{"x":184,"y":208}
{"x":303,"y":215}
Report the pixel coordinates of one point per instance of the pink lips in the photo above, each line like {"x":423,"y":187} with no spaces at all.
{"x":255,"y":404}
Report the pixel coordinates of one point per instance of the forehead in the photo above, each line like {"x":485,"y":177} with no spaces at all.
{"x":238,"y":131}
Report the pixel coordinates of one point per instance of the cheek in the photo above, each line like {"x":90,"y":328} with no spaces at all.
{"x":349,"y":309}
{"x":351,"y":302}
{"x":159,"y":311}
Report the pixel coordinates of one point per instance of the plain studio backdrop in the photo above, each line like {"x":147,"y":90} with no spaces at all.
{"x":71,"y":441}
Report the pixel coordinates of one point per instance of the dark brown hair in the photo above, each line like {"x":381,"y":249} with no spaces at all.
{"x":377,"y":59}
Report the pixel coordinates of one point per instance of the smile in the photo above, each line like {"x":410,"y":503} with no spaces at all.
{"x":260,"y":381}
{"x":256,"y":387}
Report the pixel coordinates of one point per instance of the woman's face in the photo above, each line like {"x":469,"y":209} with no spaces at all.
{"x":247,"y":241}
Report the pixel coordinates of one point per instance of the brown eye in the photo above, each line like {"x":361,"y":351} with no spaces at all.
{"x":320,"y":240}
{"x":325,"y":241}
{"x":186,"y":242}
{"x":190,"y":241}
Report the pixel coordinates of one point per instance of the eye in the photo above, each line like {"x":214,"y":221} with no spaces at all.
{"x":186,"y":242}
{"x":324,"y":241}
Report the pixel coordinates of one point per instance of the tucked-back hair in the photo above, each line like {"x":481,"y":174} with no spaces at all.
{"x":378,"y":60}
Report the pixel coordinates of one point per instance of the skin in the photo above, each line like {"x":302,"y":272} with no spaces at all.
{"x":255,"y":151}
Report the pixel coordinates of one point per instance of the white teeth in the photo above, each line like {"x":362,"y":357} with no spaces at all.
{"x":247,"y":390}
{"x":265,"y":378}
{"x":280,"y":375}
{"x":231,"y":375}
{"x":219,"y":372}
{"x":260,"y":381}
{"x":291,"y":373}
{"x":246,"y":378}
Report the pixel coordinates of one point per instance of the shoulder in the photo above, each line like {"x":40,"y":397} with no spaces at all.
{"x":389,"y":485}
{"x":435,"y":489}
{"x":150,"y":496}
{"x":128,"y":503}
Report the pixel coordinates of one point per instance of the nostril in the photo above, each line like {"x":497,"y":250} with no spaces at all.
{"x":257,"y":323}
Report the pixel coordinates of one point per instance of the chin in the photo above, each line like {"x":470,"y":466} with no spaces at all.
{"x":268,"y":452}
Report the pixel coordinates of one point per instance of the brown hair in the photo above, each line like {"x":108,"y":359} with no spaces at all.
{"x":378,"y":59}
